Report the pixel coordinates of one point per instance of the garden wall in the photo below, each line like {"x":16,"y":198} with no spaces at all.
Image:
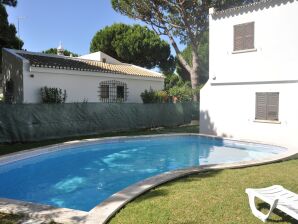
{"x":35,"y":122}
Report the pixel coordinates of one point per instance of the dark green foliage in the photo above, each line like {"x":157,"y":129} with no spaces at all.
{"x":8,"y":38}
{"x":133,"y":44}
{"x":9,"y":2}
{"x":149,"y":96}
{"x":54,"y":51}
{"x":53,"y":95}
{"x":172,"y":80}
{"x":182,"y":93}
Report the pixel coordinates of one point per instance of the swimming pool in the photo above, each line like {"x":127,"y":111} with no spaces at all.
{"x":82,"y":176}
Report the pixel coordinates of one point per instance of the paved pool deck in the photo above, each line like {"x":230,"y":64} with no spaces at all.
{"x":104,"y":211}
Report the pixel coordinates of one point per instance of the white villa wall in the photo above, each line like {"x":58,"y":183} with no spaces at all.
{"x":82,"y":86}
{"x":228,"y":99}
{"x":229,"y":111}
{"x":276,"y":45}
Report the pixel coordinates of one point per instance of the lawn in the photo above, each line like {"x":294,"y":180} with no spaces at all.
{"x":211,"y":197}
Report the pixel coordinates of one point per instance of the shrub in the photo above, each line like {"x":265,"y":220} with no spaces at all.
{"x":162,"y":96}
{"x":149,"y":96}
{"x":182,"y":93}
{"x":53,"y":95}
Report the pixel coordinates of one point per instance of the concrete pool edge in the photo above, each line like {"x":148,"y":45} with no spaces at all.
{"x":108,"y":208}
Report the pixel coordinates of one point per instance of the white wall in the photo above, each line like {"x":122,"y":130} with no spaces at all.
{"x":228,"y":102}
{"x":276,"y":44}
{"x":229,"y":111}
{"x":99,"y":56}
{"x":83,"y":85}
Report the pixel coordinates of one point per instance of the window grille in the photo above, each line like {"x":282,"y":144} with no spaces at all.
{"x":120,"y":92}
{"x":104,"y":91}
{"x":267,"y":106}
{"x":112,"y":91}
{"x":244,"y":36}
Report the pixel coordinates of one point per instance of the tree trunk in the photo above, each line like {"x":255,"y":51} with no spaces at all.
{"x":194,"y":73}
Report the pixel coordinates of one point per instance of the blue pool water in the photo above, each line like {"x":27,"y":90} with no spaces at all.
{"x":83,"y":176}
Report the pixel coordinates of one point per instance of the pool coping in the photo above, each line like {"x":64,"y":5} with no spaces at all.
{"x":102,"y":212}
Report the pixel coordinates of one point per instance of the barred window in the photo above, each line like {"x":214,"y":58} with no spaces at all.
{"x":104,"y":91}
{"x":113,"y":91}
{"x":244,"y":36}
{"x":120,"y":92}
{"x":267,"y":105}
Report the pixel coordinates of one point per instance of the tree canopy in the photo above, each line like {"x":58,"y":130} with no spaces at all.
{"x":133,"y":44}
{"x":8,"y":31}
{"x":185,"y":20}
{"x":65,"y":52}
{"x":9,"y":2}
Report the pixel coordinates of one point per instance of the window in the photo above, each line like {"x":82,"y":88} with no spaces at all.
{"x":244,"y":36}
{"x":104,"y":60}
{"x":120,"y":92}
{"x":112,"y":91}
{"x":104,"y":91}
{"x":267,"y":105}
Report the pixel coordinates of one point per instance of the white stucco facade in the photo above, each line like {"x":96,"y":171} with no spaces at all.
{"x":228,"y":100}
{"x":80,"y":85}
{"x":83,"y":86}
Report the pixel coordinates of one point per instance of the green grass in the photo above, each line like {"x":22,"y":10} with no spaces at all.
{"x":10,"y":218}
{"x":211,"y":197}
{"x":10,"y":148}
{"x":18,"y":219}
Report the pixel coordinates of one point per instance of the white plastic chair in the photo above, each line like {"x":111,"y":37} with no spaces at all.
{"x":277,"y":197}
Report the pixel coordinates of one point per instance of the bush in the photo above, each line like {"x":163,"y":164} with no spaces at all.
{"x":182,"y":93}
{"x":162,"y":96}
{"x":53,"y":95}
{"x":149,"y":96}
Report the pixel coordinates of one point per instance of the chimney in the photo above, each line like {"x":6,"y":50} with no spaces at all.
{"x":60,"y":50}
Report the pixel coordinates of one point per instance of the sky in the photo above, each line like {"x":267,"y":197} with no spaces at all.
{"x":44,"y":23}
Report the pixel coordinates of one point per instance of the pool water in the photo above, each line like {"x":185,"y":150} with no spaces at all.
{"x":83,"y":176}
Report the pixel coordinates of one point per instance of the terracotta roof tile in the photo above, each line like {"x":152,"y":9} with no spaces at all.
{"x":69,"y":63}
{"x":246,"y":6}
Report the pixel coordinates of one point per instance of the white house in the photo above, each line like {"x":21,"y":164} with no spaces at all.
{"x":253,"y":86}
{"x":94,"y":77}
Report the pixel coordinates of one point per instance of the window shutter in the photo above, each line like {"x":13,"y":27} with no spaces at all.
{"x":272,"y":106}
{"x":249,"y":35}
{"x":244,"y":36}
{"x":238,"y":37}
{"x":261,"y":111}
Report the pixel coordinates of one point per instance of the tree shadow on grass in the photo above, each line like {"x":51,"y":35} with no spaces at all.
{"x":197,"y":176}
{"x":156,"y":192}
{"x":152,"y":194}
{"x":264,"y":207}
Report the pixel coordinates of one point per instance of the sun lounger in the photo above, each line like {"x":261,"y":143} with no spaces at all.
{"x":277,"y":197}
